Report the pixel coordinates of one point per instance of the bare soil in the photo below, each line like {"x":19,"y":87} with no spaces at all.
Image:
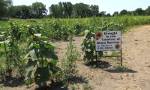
{"x":136,"y":57}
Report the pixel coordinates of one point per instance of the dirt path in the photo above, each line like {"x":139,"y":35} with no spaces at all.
{"x":136,"y":56}
{"x":136,"y":49}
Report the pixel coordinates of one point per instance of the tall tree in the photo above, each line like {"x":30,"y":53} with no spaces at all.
{"x":4,"y":5}
{"x":116,"y":13}
{"x":102,"y":13}
{"x":60,"y":9}
{"x":63,"y":9}
{"x":124,"y":12}
{"x":148,"y":11}
{"x":38,"y":10}
{"x":139,"y":11}
{"x":56,"y":10}
{"x":21,"y":11}
{"x":94,"y":10}
{"x":52,"y":10}
{"x":68,"y":8}
{"x":82,"y":10}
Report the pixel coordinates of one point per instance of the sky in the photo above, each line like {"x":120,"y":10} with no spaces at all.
{"x":109,"y":6}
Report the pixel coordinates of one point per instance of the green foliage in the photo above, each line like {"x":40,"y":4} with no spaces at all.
{"x":36,"y":10}
{"x":69,"y":62}
{"x":4,"y":4}
{"x":76,"y":25}
{"x":78,"y":28}
{"x":39,"y":10}
{"x":41,"y":65}
{"x":21,"y":11}
{"x":67,"y":9}
{"x":59,"y":31}
{"x":63,"y":9}
{"x":123,"y":12}
{"x":33,"y":57}
{"x":88,"y":46}
{"x":12,"y":50}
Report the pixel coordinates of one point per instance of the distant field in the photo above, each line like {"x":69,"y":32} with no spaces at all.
{"x":95,"y":23}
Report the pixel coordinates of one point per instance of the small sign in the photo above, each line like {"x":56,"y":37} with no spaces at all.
{"x":108,"y":41}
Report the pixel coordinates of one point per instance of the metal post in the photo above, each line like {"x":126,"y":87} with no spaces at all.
{"x":121,"y":57}
{"x":96,"y":56}
{"x":121,"y":49}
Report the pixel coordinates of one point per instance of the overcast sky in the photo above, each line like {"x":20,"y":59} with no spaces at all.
{"x":105,"y":5}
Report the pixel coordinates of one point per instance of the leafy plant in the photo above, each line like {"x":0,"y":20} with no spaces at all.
{"x":59,"y":31}
{"x":88,"y":47}
{"x":13,"y":52}
{"x":78,"y":28}
{"x":69,"y":63}
{"x":41,"y":65}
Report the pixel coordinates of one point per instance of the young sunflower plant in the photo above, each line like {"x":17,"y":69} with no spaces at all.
{"x":88,"y":47}
{"x":41,"y":62}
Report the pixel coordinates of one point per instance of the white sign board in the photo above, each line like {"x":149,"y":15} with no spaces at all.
{"x":108,"y":41}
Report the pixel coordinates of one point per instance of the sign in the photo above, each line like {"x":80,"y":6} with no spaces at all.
{"x":108,"y":41}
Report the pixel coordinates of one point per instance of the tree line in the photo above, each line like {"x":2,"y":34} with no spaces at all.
{"x":36,"y":10}
{"x":137,"y":12}
{"x":67,"y":9}
{"x":60,"y":10}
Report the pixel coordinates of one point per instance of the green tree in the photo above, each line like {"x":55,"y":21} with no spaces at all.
{"x":4,"y":5}
{"x":38,"y":10}
{"x":103,"y":13}
{"x":68,"y":8}
{"x":115,"y":13}
{"x":60,"y":9}
{"x":82,"y":10}
{"x":124,"y":12}
{"x":56,"y":11}
{"x":139,"y":11}
{"x":63,"y":9}
{"x":21,"y":11}
{"x":147,"y":11}
{"x":94,"y":10}
{"x":108,"y":15}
